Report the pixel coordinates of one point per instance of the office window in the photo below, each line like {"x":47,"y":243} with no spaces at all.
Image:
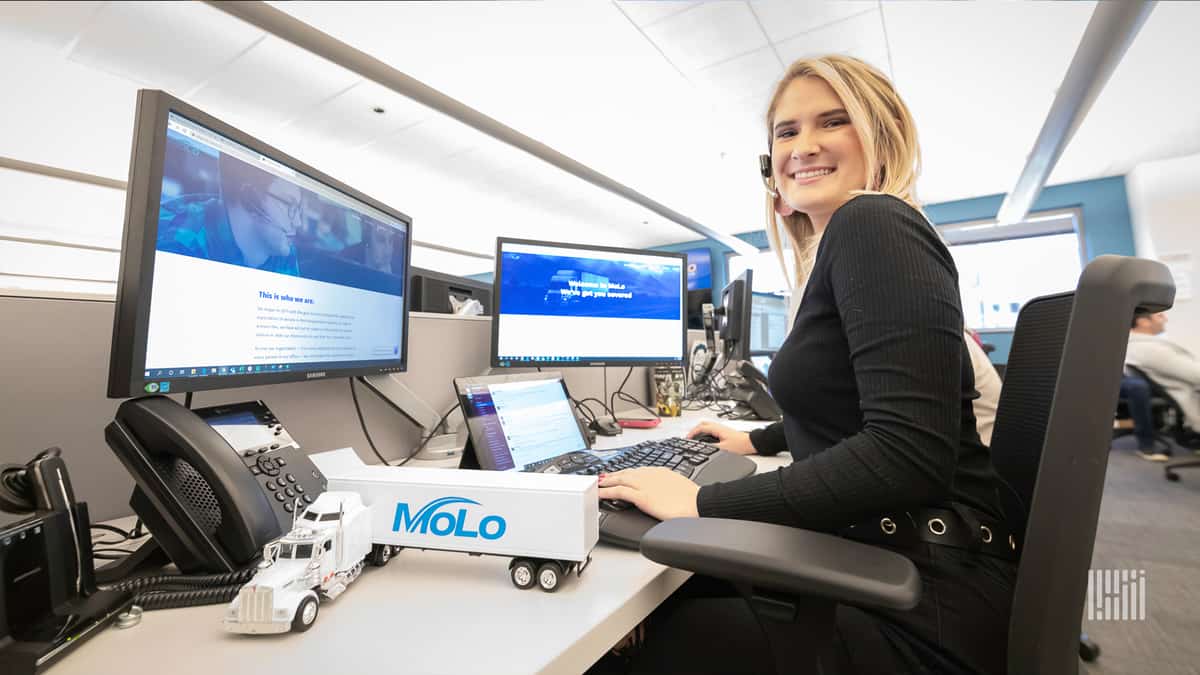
{"x":769,"y":309}
{"x":1000,"y":268}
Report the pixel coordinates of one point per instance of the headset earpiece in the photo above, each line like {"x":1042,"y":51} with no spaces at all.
{"x":764,"y":168}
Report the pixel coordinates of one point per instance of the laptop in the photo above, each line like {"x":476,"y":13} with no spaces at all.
{"x":526,"y":422}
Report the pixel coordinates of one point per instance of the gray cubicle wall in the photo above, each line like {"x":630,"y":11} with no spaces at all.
{"x":54,"y":369}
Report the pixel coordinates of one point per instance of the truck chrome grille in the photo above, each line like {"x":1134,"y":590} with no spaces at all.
{"x":255,"y":604}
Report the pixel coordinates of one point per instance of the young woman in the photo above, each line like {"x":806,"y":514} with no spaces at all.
{"x":876,"y":387}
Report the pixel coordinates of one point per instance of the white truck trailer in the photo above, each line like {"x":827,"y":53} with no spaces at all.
{"x":548,"y":524}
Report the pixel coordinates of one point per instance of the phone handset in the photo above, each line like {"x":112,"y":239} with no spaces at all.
{"x":147,"y":434}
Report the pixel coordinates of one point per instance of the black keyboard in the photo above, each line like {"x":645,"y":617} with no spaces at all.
{"x":678,"y":454}
{"x":704,"y":463}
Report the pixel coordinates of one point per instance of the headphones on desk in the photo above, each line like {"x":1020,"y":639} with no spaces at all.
{"x":23,"y":487}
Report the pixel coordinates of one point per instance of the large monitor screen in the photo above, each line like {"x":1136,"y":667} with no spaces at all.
{"x":252,"y":267}
{"x":569,"y":305}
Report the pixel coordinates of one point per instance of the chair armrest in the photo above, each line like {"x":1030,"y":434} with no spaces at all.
{"x":787,"y":559}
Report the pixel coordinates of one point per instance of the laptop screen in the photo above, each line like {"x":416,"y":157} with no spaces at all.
{"x":518,"y":422}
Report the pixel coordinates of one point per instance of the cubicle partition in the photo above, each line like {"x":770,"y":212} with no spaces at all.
{"x":54,"y":364}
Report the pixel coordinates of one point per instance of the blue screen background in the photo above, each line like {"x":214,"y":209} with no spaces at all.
{"x":533,"y":284}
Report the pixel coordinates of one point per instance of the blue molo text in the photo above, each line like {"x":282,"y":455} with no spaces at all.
{"x":431,"y":519}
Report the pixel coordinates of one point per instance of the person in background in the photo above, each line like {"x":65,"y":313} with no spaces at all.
{"x":1170,"y":365}
{"x":987,"y":383}
{"x":876,"y":387}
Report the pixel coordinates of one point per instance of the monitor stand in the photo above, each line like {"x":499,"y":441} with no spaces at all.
{"x":406,"y":402}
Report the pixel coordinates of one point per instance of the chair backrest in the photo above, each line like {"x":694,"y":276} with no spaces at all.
{"x":1051,"y":443}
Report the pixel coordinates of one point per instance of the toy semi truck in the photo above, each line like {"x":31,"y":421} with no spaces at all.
{"x":548,"y":524}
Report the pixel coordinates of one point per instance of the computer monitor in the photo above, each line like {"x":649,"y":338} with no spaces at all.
{"x":768,"y":322}
{"x":733,"y":321}
{"x":432,"y":292}
{"x":570,"y":305}
{"x":241,"y":265}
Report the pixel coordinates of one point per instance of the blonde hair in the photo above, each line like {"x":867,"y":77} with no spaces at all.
{"x":885,"y":130}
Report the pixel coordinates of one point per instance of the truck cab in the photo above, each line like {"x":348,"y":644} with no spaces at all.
{"x":322,"y":554}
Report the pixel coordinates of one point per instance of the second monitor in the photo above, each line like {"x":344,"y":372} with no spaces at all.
{"x":562,"y":304}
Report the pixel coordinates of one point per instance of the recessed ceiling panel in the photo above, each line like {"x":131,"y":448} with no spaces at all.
{"x":785,"y":19}
{"x":169,"y":45}
{"x":707,"y":35}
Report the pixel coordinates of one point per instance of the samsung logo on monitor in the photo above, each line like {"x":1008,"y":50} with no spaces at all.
{"x":313,"y":375}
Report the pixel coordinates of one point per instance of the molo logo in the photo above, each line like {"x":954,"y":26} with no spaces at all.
{"x":431,"y":520}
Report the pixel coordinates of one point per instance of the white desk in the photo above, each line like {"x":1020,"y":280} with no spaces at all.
{"x":426,"y":612}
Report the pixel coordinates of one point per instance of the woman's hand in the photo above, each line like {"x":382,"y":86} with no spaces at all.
{"x":657,"y":491}
{"x":727,"y":438}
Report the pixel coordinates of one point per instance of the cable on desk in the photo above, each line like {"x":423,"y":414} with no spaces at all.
{"x":584,"y":411}
{"x":620,"y":394}
{"x":363,"y":423}
{"x":125,"y":535}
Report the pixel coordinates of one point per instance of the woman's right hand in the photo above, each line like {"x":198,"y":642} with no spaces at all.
{"x":727,"y":438}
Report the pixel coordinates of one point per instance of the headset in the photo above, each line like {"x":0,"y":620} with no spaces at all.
{"x":764,"y":168}
{"x":39,"y":485}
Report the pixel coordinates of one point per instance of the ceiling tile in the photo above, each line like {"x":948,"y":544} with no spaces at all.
{"x":349,"y":120}
{"x":64,"y":114}
{"x":861,"y":36}
{"x":978,"y":102}
{"x":785,"y":19}
{"x":707,"y":35}
{"x":1147,"y":111}
{"x":170,"y":45}
{"x":646,"y":12}
{"x":271,"y":83}
{"x":51,"y":23}
{"x":752,"y":77}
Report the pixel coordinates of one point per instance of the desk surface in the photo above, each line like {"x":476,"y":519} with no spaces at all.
{"x":426,"y":612}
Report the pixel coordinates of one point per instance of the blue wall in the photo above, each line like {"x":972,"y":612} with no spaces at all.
{"x":717,"y":251}
{"x":1106,"y":221}
{"x":1107,"y":228}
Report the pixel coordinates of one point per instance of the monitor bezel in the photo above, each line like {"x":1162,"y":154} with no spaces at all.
{"x":127,"y":357}
{"x":620,"y":362}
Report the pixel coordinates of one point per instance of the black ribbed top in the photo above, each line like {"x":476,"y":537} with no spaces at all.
{"x":875,"y":383}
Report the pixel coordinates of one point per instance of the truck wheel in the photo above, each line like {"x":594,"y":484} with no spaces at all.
{"x":549,"y":576}
{"x":522,"y":573}
{"x":381,"y":554}
{"x":306,"y":614}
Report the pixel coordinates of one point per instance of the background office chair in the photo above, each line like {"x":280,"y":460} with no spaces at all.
{"x":1136,"y":406}
{"x":1053,"y":432}
{"x":1166,"y":420}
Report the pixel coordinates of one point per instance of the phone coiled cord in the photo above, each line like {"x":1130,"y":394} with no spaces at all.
{"x":199,"y":581}
{"x":161,"y":599}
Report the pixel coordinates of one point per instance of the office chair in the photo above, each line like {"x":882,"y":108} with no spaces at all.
{"x":1166,"y":418}
{"x":1134,"y":404}
{"x":1051,"y":443}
